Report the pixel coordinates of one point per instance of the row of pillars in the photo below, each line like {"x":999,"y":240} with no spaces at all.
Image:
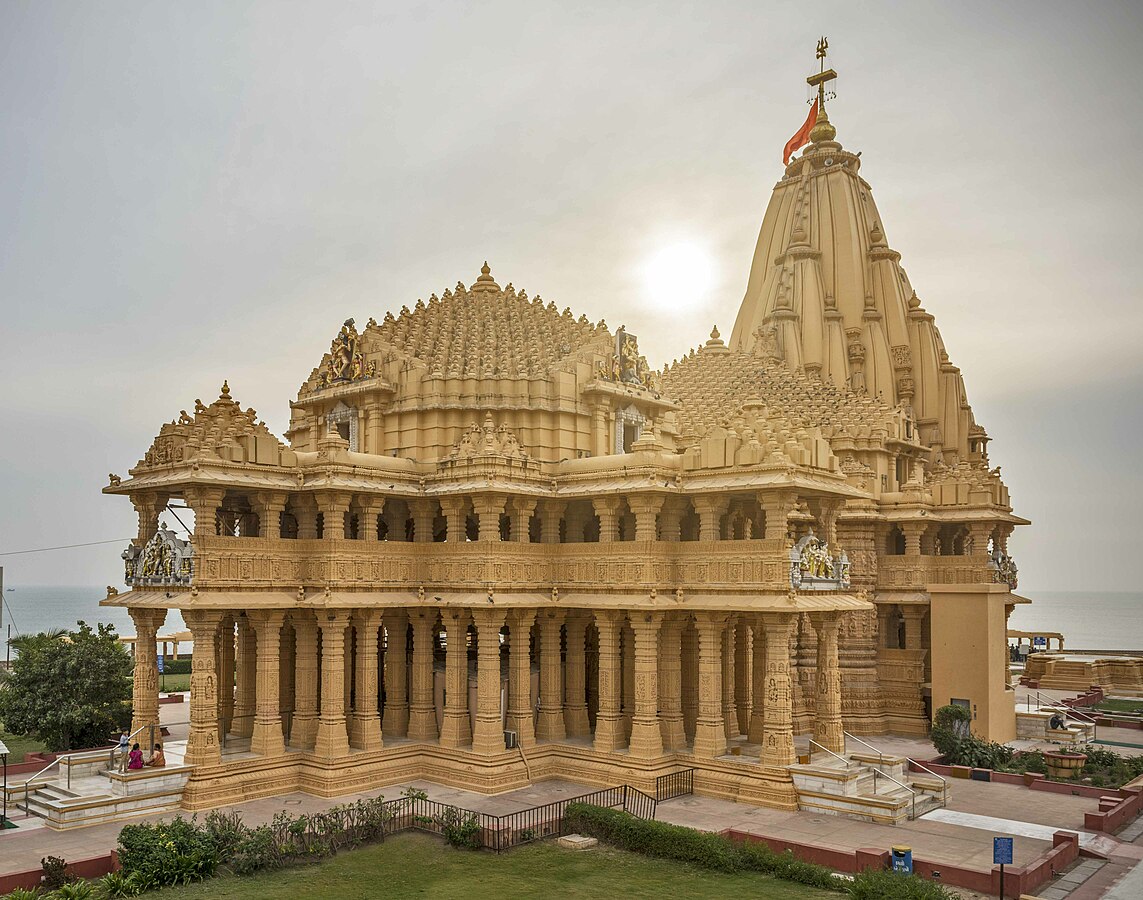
{"x":641,"y":651}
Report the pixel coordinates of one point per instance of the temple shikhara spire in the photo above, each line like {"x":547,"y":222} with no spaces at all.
{"x":493,"y":523}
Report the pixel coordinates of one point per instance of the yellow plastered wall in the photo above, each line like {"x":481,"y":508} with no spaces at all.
{"x":969,"y":655}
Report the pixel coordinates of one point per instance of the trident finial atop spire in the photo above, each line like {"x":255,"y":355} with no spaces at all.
{"x":822,"y":130}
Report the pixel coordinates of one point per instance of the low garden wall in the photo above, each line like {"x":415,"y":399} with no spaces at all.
{"x":1017,"y":879}
{"x":93,"y":867}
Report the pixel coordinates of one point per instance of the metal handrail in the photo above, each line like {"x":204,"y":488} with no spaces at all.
{"x":1066,"y":710}
{"x":814,"y":743}
{"x":919,"y":765}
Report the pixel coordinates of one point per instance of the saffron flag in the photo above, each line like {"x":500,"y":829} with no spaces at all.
{"x":802,"y":137}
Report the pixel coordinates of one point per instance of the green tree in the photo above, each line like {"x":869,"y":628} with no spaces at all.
{"x":68,"y":690}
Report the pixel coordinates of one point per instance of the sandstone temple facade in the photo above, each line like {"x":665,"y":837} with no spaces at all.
{"x":496,"y":546}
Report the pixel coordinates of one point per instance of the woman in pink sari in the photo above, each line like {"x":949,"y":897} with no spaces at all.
{"x":135,"y":758}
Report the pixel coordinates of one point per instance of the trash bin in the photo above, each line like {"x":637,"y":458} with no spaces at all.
{"x":902,"y":859}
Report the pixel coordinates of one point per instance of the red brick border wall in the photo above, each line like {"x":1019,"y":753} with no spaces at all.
{"x":1017,"y":879}
{"x":1117,"y":816}
{"x":93,"y":867}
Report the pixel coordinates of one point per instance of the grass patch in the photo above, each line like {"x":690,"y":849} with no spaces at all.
{"x":1121,"y":706}
{"x":171,"y":682}
{"x":412,"y":864}
{"x":19,"y":745}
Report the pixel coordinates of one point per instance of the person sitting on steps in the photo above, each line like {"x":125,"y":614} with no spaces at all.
{"x":158,"y":758}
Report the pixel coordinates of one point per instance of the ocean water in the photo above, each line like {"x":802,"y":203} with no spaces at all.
{"x":32,"y":609}
{"x":1088,"y":620}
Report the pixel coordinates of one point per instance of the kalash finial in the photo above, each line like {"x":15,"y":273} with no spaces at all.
{"x":485,"y":282}
{"x":822,"y":130}
{"x":225,"y":395}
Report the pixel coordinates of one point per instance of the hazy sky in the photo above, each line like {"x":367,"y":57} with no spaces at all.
{"x":196,"y":191}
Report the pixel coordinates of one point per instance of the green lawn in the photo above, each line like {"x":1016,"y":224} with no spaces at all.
{"x":172,"y":683}
{"x":1121,"y":706}
{"x":19,"y":744}
{"x":408,"y":865}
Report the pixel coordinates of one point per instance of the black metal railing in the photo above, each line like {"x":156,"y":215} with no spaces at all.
{"x":499,"y":833}
{"x":674,"y":784}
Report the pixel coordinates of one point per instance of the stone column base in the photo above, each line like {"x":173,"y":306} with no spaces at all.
{"x":303,"y":730}
{"x":331,"y":739}
{"x":365,"y":732}
{"x":267,"y":738}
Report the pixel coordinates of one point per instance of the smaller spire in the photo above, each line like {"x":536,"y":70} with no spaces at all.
{"x":485,"y":282}
{"x":225,"y":395}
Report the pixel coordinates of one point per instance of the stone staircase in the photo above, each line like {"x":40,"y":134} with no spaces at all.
{"x":869,"y":787}
{"x":81,"y":790}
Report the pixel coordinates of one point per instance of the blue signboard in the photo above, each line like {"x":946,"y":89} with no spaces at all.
{"x":1002,"y":851}
{"x":162,"y":660}
{"x":1039,"y":642}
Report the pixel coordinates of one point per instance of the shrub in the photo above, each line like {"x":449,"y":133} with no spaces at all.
{"x":22,"y":894}
{"x":115,"y":885}
{"x":882,"y":884}
{"x":950,"y":715}
{"x":54,"y":873}
{"x":77,"y":890}
{"x":225,"y":831}
{"x":460,"y":828}
{"x":709,"y":851}
{"x":256,"y":850}
{"x":167,"y":853}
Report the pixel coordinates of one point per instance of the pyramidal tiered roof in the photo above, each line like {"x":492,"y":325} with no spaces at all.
{"x":714,"y":382}
{"x":486,"y":331}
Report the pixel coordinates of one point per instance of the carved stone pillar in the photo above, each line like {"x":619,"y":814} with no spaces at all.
{"x":600,"y":429}
{"x":456,"y":730}
{"x":646,"y":735}
{"x":488,"y":731}
{"x":245,"y":674}
{"x":149,"y":505}
{"x":551,"y":511}
{"x":521,"y":510}
{"x":287,"y":660}
{"x":334,"y":506}
{"x":225,"y":674}
{"x":828,"y":511}
{"x":520,"y":716}
{"x":913,"y":532}
{"x":305,"y":511}
{"x":827,"y":710}
{"x":368,"y":512}
{"x":574,"y":520}
{"x":627,"y":644}
{"x":690,"y":679}
{"x":710,"y":508}
{"x":373,"y":435}
{"x":395,"y":722}
{"x":671,"y":519}
{"x":424,"y":512}
{"x":454,"y":509}
{"x":269,"y":506}
{"x":422,"y":706}
{"x":202,"y":741}
{"x":145,"y":687}
{"x":266,"y":738}
{"x":743,"y":674}
{"x":607,"y":508}
{"x":778,"y":733}
{"x":550,"y":726}
{"x":758,"y":683}
{"x":710,"y":732}
{"x":303,"y":731}
{"x":489,"y":508}
{"x":205,"y":502}
{"x":729,"y":710}
{"x":608,"y":718}
{"x":913,"y":616}
{"x":777,"y":505}
{"x":365,"y":725}
{"x":576,"y":722}
{"x":978,"y":535}
{"x":332,"y":738}
{"x":671,"y":683}
{"x":646,"y":510}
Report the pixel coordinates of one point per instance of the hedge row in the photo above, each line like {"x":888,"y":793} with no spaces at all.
{"x":713,"y":851}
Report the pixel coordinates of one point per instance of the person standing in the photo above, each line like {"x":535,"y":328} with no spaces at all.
{"x":124,"y":750}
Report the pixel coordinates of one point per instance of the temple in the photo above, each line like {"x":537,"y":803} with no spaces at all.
{"x":497,"y":546}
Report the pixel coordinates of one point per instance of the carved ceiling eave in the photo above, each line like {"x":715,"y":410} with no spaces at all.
{"x":662,"y":598}
{"x":961,"y":515}
{"x":629,"y":393}
{"x":337,"y":392}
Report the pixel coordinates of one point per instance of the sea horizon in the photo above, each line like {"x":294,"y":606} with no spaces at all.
{"x":1116,"y":625}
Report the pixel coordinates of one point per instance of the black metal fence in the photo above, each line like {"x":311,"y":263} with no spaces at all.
{"x":504,"y":832}
{"x":674,"y":784}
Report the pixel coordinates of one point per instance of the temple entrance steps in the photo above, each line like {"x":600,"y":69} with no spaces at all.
{"x":871,"y":787}
{"x":80,"y":789}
